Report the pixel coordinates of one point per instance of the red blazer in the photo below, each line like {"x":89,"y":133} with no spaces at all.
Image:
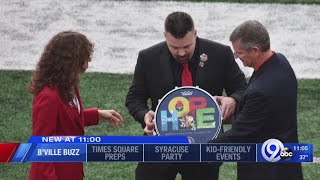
{"x":52,"y":116}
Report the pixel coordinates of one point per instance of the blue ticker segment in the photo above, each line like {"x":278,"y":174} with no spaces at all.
{"x":21,"y":152}
{"x":172,"y":153}
{"x":288,"y":154}
{"x":53,"y":152}
{"x":115,"y":152}
{"x":228,"y":152}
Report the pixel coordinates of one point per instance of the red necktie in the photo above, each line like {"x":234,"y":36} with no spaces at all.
{"x":186,"y":75}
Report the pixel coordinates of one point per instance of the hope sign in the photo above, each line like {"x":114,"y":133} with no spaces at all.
{"x":186,"y":111}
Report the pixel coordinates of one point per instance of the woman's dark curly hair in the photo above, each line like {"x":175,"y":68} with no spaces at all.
{"x":61,"y":64}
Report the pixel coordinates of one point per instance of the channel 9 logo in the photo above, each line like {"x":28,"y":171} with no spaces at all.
{"x":273,"y":150}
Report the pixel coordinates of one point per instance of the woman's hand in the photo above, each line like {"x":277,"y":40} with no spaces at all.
{"x":112,"y":117}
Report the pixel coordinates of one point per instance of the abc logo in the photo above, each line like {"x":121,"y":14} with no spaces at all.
{"x":271,"y":150}
{"x":286,"y":154}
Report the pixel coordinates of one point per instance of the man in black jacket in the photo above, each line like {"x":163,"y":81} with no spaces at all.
{"x":160,"y":69}
{"x":268,"y":107}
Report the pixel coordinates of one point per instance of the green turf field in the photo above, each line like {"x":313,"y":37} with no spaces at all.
{"x":109,"y":91}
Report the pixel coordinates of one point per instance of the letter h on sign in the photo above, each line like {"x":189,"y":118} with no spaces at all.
{"x":165,"y":119}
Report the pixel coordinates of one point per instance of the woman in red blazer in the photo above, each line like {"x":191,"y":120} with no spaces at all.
{"x":57,"y":109}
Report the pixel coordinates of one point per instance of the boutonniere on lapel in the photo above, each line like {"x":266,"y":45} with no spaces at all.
{"x":203,"y":59}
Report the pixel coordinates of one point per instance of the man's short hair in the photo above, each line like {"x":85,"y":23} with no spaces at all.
{"x":178,"y":24}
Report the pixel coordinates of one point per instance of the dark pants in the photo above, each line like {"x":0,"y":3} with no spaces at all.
{"x":168,"y":171}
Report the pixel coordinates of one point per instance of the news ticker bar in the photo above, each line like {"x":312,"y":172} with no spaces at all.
{"x":105,"y":152}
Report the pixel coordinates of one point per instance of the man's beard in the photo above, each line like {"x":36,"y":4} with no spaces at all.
{"x":182,"y":59}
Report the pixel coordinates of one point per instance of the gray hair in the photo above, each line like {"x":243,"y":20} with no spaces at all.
{"x":251,"y":33}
